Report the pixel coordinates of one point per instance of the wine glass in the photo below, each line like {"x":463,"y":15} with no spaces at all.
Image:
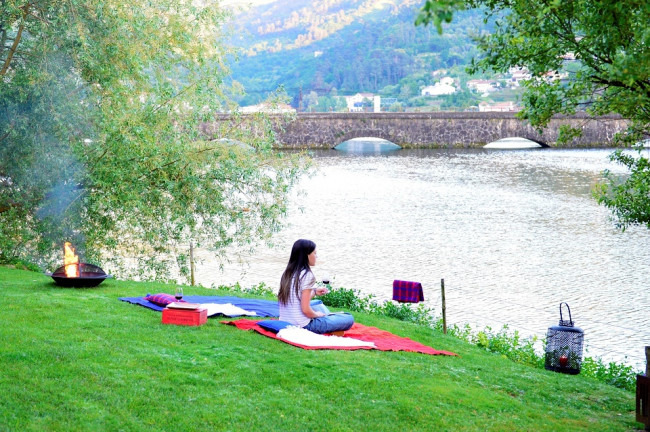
{"x":178,"y":294}
{"x":326,"y":281}
{"x":325,"y":278}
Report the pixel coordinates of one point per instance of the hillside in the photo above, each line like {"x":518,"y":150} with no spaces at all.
{"x":320,"y":49}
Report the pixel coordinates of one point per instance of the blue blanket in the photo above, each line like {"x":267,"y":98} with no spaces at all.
{"x":263,"y":308}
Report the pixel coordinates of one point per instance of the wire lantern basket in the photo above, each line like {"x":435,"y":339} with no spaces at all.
{"x":564,"y":344}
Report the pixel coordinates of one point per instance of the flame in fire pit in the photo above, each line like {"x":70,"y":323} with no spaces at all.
{"x":70,"y":261}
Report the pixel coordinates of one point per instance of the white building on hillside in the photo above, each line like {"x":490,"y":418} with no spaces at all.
{"x":267,"y":108}
{"x":362,"y":101}
{"x":518,"y":74}
{"x":444,"y":87}
{"x":482,"y":86}
{"x":554,"y":76}
{"x":498,"y":107}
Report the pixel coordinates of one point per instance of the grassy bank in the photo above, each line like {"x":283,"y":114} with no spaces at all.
{"x":80,"y":359}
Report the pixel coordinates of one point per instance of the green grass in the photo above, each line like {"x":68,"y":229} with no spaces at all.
{"x":80,"y":359}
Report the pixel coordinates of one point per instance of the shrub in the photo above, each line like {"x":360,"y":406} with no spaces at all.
{"x":260,"y":289}
{"x":618,"y":375}
{"x":352,"y":300}
{"x":348,"y":299}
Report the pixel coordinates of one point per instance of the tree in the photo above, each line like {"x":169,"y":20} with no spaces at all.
{"x":101,"y":104}
{"x":311,"y":101}
{"x":609,"y":43}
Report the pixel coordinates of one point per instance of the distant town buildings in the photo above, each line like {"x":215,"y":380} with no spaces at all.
{"x":482,"y":86}
{"x":554,"y":76}
{"x":517,"y":75}
{"x":361,"y":102}
{"x":498,"y":107}
{"x":268,"y":108}
{"x":444,"y":87}
{"x":498,"y":87}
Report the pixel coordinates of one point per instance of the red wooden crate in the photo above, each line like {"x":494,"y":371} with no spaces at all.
{"x":194,"y":317}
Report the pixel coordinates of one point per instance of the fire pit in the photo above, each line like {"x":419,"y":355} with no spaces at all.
{"x":75,"y":274}
{"x":89,"y":276}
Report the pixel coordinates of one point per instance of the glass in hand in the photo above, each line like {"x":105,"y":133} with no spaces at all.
{"x":178,"y":294}
{"x":326,"y":279}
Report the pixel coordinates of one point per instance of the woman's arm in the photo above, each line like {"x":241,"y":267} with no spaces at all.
{"x":305,"y":304}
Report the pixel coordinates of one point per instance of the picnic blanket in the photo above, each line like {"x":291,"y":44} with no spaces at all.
{"x":230,"y":306}
{"x":381,"y":339}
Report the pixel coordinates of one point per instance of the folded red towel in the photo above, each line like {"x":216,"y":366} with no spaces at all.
{"x":407,"y":292}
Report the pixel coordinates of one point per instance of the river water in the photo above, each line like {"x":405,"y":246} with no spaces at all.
{"x":512,"y":233}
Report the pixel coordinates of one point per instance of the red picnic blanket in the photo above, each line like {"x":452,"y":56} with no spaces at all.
{"x":383,"y":340}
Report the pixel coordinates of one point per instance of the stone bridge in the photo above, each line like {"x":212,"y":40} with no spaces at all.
{"x":435,"y":129}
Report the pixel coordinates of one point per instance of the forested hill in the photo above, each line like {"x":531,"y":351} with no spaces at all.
{"x":340,"y":47}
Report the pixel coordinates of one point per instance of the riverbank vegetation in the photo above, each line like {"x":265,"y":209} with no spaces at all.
{"x":504,"y":341}
{"x":80,"y":359}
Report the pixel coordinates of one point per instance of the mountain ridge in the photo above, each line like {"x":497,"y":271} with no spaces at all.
{"x":326,"y":48}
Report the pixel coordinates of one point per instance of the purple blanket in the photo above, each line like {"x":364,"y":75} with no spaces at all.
{"x":407,"y":292}
{"x":263,"y":308}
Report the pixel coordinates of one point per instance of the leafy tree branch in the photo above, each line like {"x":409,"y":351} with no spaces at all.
{"x":604,"y":49}
{"x":100,"y":119}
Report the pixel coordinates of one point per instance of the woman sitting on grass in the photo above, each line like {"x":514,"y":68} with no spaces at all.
{"x":298,"y":287}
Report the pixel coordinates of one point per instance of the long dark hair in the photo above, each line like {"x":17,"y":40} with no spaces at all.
{"x":298,"y":261}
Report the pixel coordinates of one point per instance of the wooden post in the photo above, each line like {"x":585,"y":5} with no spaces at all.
{"x":444,"y":307}
{"x":647,"y":377}
{"x":191,"y":264}
{"x":643,"y":393}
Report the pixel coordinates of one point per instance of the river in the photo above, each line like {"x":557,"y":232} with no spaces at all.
{"x":512,"y":233}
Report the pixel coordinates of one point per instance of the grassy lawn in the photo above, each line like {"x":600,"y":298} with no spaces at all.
{"x":81,"y":360}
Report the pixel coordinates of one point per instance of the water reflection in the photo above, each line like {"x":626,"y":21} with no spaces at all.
{"x":513,"y":234}
{"x":367,"y":145}
{"x":512,"y":143}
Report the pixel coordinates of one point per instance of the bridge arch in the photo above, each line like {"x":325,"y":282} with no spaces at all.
{"x":365,"y":133}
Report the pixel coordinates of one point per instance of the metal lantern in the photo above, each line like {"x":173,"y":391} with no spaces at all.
{"x":564,"y":346}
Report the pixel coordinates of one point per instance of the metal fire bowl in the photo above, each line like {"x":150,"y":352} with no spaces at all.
{"x":89,"y":276}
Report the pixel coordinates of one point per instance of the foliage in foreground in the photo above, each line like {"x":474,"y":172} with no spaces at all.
{"x":103,"y":108}
{"x":80,"y":359}
{"x":584,"y":55}
{"x":505,"y":342}
{"x":628,"y":199}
